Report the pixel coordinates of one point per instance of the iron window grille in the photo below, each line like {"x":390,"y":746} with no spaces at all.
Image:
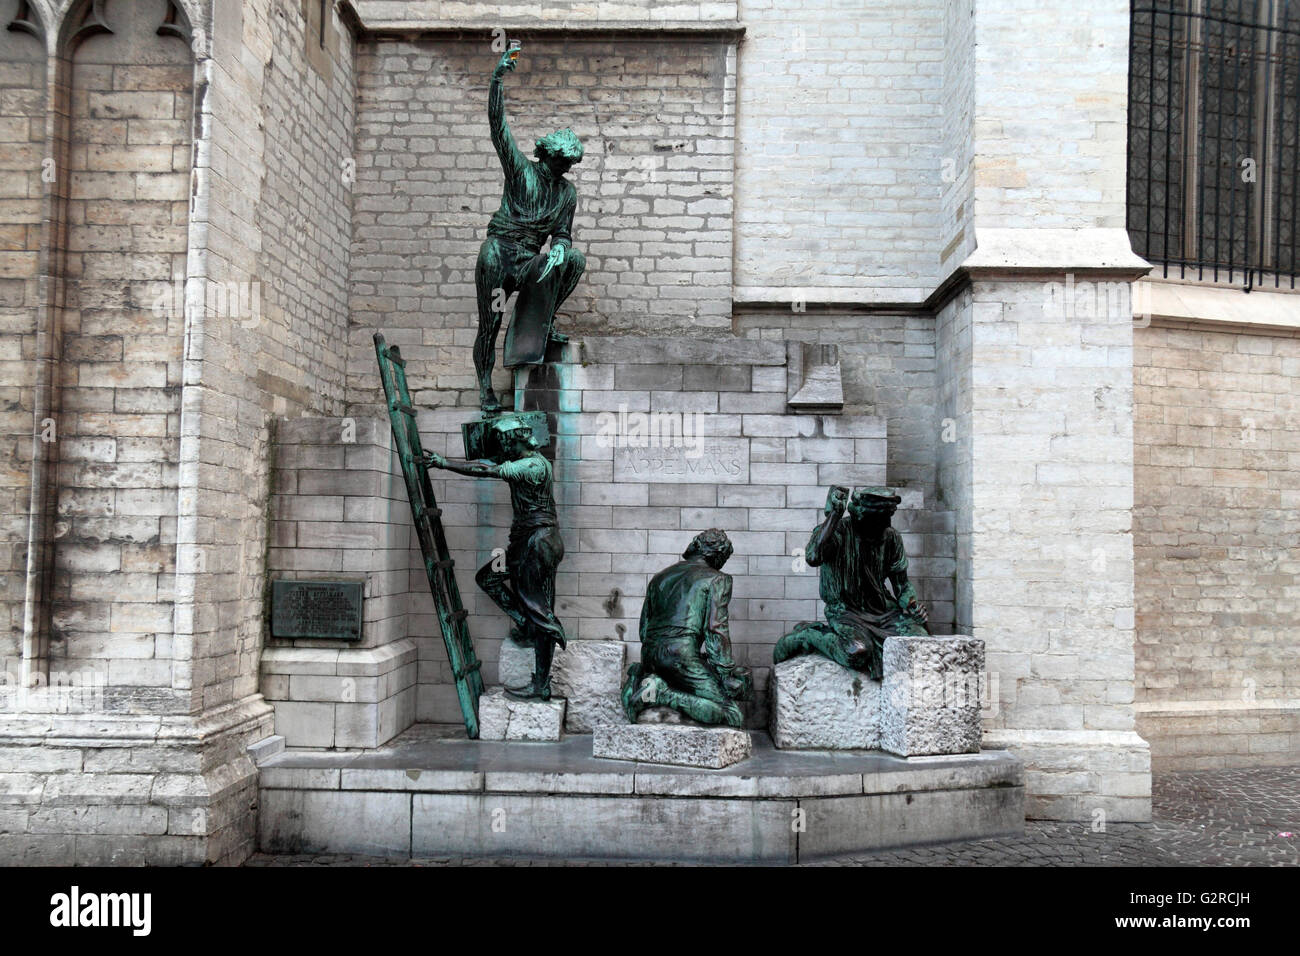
{"x":1213,"y":163}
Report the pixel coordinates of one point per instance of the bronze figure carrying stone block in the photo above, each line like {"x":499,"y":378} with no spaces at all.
{"x":537,"y":204}
{"x":686,"y":661}
{"x":525,"y":588}
{"x":857,"y":555}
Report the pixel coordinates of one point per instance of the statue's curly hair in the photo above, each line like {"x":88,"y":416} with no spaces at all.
{"x":710,"y":543}
{"x":563,"y":142}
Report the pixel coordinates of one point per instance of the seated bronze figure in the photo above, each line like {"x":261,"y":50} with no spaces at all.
{"x":857,"y":557}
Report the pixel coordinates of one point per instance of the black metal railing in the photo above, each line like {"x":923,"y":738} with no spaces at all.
{"x":1213,"y":123}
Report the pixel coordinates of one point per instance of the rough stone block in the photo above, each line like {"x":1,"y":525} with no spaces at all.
{"x":819,"y":705}
{"x":930,"y":701}
{"x":503,"y":718}
{"x":683,"y":746}
{"x":588,"y":674}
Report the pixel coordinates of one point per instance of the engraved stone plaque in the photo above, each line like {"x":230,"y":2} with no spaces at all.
{"x":711,"y":460}
{"x":316,"y":609}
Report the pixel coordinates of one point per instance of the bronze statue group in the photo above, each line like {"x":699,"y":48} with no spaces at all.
{"x":686,"y":659}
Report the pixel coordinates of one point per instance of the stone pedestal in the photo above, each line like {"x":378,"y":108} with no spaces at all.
{"x":682,"y":745}
{"x":927,"y":703}
{"x":588,"y":674}
{"x":819,"y":705}
{"x":503,"y":718}
{"x":347,"y":697}
{"x":930,"y":699}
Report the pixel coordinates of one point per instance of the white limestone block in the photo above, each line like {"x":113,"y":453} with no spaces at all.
{"x":819,"y":705}
{"x":588,"y":674}
{"x":681,"y":745}
{"x":503,"y":718}
{"x":930,"y":699}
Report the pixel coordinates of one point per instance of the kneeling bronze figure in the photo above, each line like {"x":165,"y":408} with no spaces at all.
{"x":686,"y":661}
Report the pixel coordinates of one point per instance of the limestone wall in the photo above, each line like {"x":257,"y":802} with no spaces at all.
{"x":837,"y":168}
{"x":1217,"y":576}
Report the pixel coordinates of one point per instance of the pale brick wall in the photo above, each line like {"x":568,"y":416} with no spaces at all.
{"x":957,"y":151}
{"x":888,"y":368}
{"x":837,"y":172}
{"x":22,"y":147}
{"x":621,"y":526}
{"x":1051,"y":88}
{"x":505,"y":11}
{"x":654,"y":191}
{"x":1050,"y":550}
{"x":278,"y":218}
{"x":954,"y":451}
{"x":120,"y":360}
{"x":1217,"y":578}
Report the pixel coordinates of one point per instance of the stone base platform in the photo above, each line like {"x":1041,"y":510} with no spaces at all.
{"x":431,"y":792}
{"x":501,"y":717}
{"x":683,"y":745}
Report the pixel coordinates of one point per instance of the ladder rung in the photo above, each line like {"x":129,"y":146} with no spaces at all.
{"x":458,"y":615}
{"x":395,"y":357}
{"x":403,"y":407}
{"x":465,"y":672}
{"x":444,"y":565}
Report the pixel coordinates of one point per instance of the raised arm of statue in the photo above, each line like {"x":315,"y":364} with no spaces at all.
{"x":822,"y":543}
{"x":513,"y":162}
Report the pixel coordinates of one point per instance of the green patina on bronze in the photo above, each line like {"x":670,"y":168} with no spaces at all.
{"x":858,"y":552}
{"x":686,"y":661}
{"x":525,"y":587}
{"x":427,"y":516}
{"x":537,"y":204}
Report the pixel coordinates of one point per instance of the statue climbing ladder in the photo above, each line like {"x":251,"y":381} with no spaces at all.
{"x":439,"y":567}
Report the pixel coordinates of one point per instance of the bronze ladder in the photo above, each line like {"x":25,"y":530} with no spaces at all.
{"x":438,"y":565}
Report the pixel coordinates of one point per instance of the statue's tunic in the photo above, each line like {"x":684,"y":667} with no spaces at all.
{"x":535,"y":548}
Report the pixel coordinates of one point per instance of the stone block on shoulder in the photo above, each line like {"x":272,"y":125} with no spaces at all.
{"x":930,"y":698}
{"x":503,"y":718}
{"x":681,"y":745}
{"x":819,"y":705}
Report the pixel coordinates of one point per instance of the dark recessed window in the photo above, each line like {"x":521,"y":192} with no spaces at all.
{"x":1212,"y":139}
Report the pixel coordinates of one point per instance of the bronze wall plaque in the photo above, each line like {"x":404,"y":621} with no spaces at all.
{"x":329,"y":610}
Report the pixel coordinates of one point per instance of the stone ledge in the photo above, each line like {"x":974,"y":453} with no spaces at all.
{"x":437,"y":758}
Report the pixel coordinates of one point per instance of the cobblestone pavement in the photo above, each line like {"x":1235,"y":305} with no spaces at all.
{"x":1202,"y":818}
